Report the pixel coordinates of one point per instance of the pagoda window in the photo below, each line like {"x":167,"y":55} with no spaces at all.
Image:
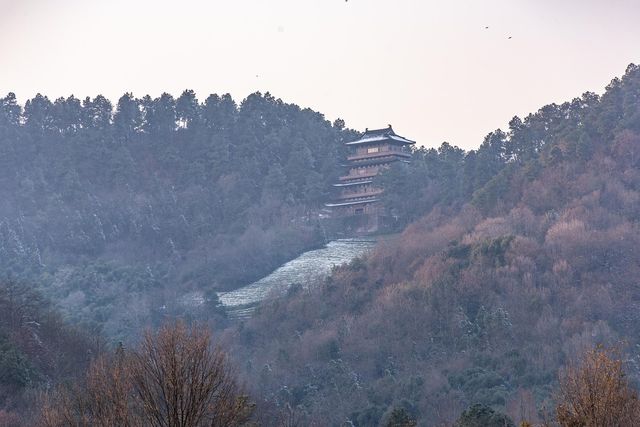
{"x":373,"y":150}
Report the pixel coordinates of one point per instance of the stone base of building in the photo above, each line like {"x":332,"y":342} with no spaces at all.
{"x":346,"y":226}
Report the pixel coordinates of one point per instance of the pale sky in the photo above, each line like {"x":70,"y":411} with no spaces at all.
{"x":429,"y":67}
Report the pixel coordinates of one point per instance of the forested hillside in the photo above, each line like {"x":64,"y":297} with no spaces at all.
{"x":524,"y":253}
{"x":37,"y":350}
{"x":117,"y":212}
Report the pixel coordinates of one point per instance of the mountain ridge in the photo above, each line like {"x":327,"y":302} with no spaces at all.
{"x":524,"y":255}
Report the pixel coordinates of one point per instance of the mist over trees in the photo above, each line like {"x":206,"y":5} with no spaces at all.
{"x":596,"y":392}
{"x":513,"y":259}
{"x":37,"y":347}
{"x":524,"y":255}
{"x":174,"y":377}
{"x":116,"y":211}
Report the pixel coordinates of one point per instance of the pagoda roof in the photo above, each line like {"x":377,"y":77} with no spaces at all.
{"x":378,"y":135}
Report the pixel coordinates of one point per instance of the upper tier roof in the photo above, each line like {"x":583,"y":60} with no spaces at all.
{"x":378,"y":135}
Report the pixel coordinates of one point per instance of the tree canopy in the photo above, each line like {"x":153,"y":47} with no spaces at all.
{"x":116,"y":211}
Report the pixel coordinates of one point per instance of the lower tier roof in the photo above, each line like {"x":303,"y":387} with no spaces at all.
{"x":349,"y":184}
{"x":357,"y":202}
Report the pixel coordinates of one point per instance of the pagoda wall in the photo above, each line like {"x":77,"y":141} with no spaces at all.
{"x":377,"y":148}
{"x":362,"y":209}
{"x":374,"y":152}
{"x":355,"y":171}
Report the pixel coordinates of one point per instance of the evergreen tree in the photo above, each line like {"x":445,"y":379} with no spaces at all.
{"x":479,"y":415}
{"x":187,"y":109}
{"x":127,"y":119}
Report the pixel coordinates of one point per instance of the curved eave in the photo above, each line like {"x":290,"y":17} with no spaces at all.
{"x":378,"y":155}
{"x":374,"y":161}
{"x":358,"y":202}
{"x":391,"y":138}
{"x":349,"y":184}
{"x":353,"y":177}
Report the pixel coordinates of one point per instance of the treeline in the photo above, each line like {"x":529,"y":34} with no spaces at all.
{"x":449,"y":176}
{"x":525,"y":254}
{"x":116,"y":212}
{"x":174,"y":377}
{"x":52,"y":375}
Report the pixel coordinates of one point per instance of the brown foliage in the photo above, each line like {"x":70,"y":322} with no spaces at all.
{"x":175,"y":378}
{"x":596,"y":393}
{"x":447,"y":303}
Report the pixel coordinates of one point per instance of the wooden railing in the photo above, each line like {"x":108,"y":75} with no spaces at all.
{"x":363,"y":176}
{"x":362,"y":194}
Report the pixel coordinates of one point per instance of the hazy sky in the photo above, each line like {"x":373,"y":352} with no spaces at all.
{"x":429,"y":67}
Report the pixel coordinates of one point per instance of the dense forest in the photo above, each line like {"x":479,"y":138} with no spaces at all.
{"x":117,"y":213}
{"x":522,"y":255}
{"x":511,"y":261}
{"x":38,"y":348}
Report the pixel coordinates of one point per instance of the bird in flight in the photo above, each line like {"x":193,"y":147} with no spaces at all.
{"x":509,"y":37}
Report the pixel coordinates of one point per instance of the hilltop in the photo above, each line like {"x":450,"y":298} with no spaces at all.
{"x":522,"y":254}
{"x":116,"y":213}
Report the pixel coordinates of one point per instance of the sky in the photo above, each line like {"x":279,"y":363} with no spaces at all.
{"x":428,"y":67}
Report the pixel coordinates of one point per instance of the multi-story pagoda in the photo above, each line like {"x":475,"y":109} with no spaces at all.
{"x":368,"y":155}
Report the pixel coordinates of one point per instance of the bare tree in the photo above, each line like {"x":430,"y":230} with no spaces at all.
{"x":185,"y":385}
{"x":176,"y":378}
{"x":595,"y":393}
{"x":102,"y":400}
